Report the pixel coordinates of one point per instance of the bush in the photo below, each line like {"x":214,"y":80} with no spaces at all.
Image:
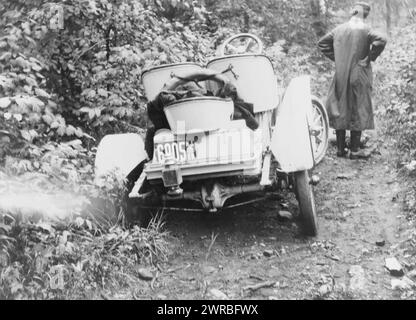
{"x":396,"y":102}
{"x":59,"y":261}
{"x":395,"y":92}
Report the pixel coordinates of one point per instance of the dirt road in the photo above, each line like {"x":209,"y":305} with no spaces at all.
{"x":254,"y":253}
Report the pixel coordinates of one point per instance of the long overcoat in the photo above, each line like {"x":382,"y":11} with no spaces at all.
{"x":353,"y":46}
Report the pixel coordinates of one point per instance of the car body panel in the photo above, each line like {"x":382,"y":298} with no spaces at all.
{"x":235,"y":149}
{"x":291,"y":143}
{"x":253,"y":76}
{"x":118,"y":154}
{"x":155,"y":78}
{"x":199,"y":113}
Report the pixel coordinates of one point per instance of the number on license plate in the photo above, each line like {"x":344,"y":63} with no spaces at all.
{"x":180,"y":151}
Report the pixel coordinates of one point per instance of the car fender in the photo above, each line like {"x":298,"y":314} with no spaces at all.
{"x":291,"y":142}
{"x":118,"y":154}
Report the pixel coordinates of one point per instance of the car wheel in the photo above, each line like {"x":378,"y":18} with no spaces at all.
{"x":136,"y":214}
{"x":320,"y":130}
{"x":306,"y":200}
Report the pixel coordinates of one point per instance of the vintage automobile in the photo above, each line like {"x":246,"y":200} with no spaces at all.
{"x":207,"y":160}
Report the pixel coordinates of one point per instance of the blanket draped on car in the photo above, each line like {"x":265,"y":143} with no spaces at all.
{"x":242,"y":110}
{"x":352,"y":46}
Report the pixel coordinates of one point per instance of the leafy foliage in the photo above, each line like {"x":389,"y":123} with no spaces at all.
{"x":70,"y":73}
{"x":274,"y":20}
{"x":396,"y":102}
{"x":55,"y":261}
{"x":83,"y":72}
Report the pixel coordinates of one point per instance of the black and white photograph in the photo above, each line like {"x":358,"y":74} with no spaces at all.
{"x":207,"y":156}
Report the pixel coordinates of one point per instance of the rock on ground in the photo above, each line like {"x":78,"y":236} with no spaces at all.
{"x":358,"y":280}
{"x":394,"y":267}
{"x":402,"y":284}
{"x":145,"y":274}
{"x":217,"y":294}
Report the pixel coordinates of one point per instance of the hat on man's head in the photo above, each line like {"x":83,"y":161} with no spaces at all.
{"x":366,"y":7}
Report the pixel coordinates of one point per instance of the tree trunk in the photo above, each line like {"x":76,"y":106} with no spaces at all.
{"x":246,"y":22}
{"x":388,"y":15}
{"x":396,"y":12}
{"x":318,"y":22}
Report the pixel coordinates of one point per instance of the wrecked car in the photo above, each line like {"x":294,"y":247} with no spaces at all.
{"x":224,"y":135}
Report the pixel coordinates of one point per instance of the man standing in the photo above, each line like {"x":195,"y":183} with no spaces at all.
{"x":352,"y":45}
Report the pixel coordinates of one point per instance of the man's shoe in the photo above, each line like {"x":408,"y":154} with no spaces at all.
{"x":342,"y":154}
{"x":361,"y":154}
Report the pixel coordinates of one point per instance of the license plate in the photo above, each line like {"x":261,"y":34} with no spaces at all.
{"x":179,"y":151}
{"x":220,"y":147}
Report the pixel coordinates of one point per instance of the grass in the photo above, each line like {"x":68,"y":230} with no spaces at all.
{"x":80,"y":255}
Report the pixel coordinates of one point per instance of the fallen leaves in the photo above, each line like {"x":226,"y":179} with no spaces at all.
{"x":217,"y":294}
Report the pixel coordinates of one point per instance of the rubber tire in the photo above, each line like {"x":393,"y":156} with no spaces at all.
{"x":136,"y":215}
{"x":306,"y":200}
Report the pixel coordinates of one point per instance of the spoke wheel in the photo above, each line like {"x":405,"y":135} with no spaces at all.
{"x":319,"y":128}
